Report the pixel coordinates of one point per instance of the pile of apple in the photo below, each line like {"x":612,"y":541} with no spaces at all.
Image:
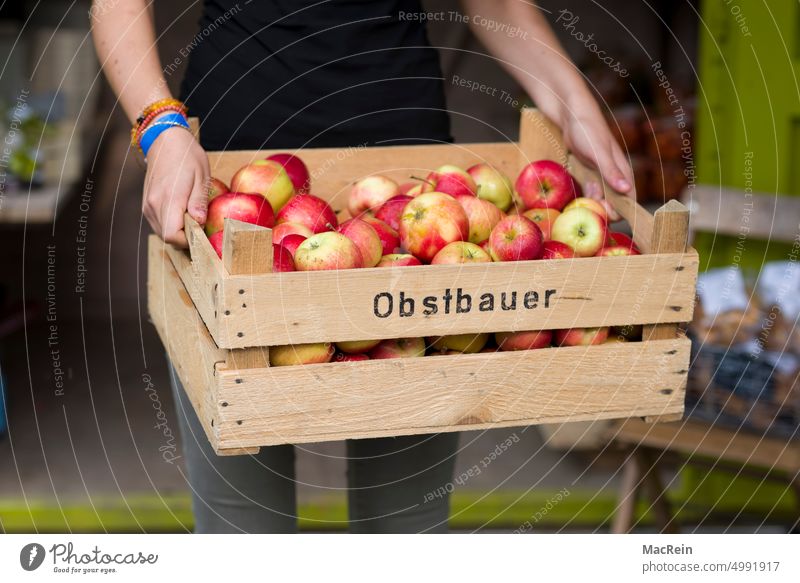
{"x":452,"y":216}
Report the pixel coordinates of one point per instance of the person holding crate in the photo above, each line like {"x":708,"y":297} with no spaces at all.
{"x":330,"y":73}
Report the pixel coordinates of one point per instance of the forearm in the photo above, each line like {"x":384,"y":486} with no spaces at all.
{"x":124,"y":36}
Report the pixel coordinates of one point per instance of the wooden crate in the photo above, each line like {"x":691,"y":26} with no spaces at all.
{"x":217,"y":320}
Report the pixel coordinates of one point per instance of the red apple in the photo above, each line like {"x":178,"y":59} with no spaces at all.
{"x":328,"y":250}
{"x":357,"y":346}
{"x":516,"y":238}
{"x":430,"y":222}
{"x":308,"y":210}
{"x":543,"y":217}
{"x":545,"y":184}
{"x":366,"y":239}
{"x":290,"y":355}
{"x":493,"y":185}
{"x":281,"y":259}
{"x":371,"y":192}
{"x":292,"y":242}
{"x":452,"y":180}
{"x":460,"y":343}
{"x":216,"y":187}
{"x":557,"y":250}
{"x":282,"y":230}
{"x":614,"y":238}
{"x":482,"y":216}
{"x":528,"y":340}
{"x":342,"y":357}
{"x":267,"y":178}
{"x":616,"y":250}
{"x":420,"y":188}
{"x":398,"y":348}
{"x":216,"y":241}
{"x":249,"y":208}
{"x":589,"y":203}
{"x":390,"y":239}
{"x":461,"y":252}
{"x":296,"y":169}
{"x":398,"y":260}
{"x":406,"y":186}
{"x":580,"y":336}
{"x":582,"y":229}
{"x":391,"y":211}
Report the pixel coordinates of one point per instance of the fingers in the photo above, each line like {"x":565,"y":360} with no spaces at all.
{"x":608,"y":163}
{"x":172,"y":223}
{"x":198,"y":198}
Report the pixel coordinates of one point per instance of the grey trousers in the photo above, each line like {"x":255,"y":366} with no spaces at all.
{"x":390,"y":482}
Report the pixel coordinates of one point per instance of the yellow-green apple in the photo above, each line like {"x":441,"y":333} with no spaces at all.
{"x":588,"y":203}
{"x":461,"y":252}
{"x":544,"y":184}
{"x":328,"y":250}
{"x":366,"y":239}
{"x":398,"y":348}
{"x":516,"y":238}
{"x":216,"y":241}
{"x":281,"y":259}
{"x":581,"y":336}
{"x":420,"y":188}
{"x":464,"y":343}
{"x":452,"y":180}
{"x":527,"y":340}
{"x":282,"y":230}
{"x":391,"y":211}
{"x":342,"y":357}
{"x":296,"y":169}
{"x":493,"y":185}
{"x":357,"y":346}
{"x":308,"y":210}
{"x":482,"y":216}
{"x":398,"y":260}
{"x":216,"y":187}
{"x":430,"y":222}
{"x":294,"y":354}
{"x":267,"y":178}
{"x":371,"y":192}
{"x":390,"y":239}
{"x":582,"y":229}
{"x":544,"y":217}
{"x":557,"y":250}
{"x":248,"y":208}
{"x":615,"y":238}
{"x":291,"y":242}
{"x":617,"y":250}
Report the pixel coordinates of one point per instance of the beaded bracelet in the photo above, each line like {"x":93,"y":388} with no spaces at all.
{"x":168,"y":102}
{"x":154,"y":130}
{"x":144,"y":121}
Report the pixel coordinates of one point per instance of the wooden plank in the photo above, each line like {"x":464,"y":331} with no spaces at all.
{"x":698,"y":438}
{"x":450,"y":393}
{"x":246,"y":248}
{"x":293,"y":308}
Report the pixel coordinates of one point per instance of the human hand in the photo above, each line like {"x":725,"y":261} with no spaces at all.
{"x":177,"y":180}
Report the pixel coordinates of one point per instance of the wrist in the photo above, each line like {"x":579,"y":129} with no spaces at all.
{"x":158,"y":126}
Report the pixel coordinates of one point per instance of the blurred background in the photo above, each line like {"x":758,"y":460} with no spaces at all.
{"x":709,"y":113}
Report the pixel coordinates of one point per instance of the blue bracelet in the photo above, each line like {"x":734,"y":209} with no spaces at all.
{"x":159,"y":126}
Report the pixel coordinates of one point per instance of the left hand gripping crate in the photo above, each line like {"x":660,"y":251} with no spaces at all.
{"x":217,"y":319}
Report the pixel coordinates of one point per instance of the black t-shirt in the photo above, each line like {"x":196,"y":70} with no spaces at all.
{"x":314,"y":73}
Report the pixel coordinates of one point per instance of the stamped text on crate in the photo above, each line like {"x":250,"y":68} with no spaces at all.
{"x":386,"y":304}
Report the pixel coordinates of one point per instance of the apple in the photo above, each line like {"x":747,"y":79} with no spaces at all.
{"x":371,"y":192}
{"x":282,"y":260}
{"x":430,"y":222}
{"x":576,"y":187}
{"x":248,"y":208}
{"x":493,"y":185}
{"x":293,"y":354}
{"x":543,"y":217}
{"x":291,"y":242}
{"x":482,"y":216}
{"x":461,"y":252}
{"x":405,"y":187}
{"x":516,"y":238}
{"x":582,"y":229}
{"x":420,"y":188}
{"x":357,"y":346}
{"x":615,"y":238}
{"x":391,"y":211}
{"x":398,"y":348}
{"x":581,"y":336}
{"x":296,"y":169}
{"x":308,"y":210}
{"x":528,"y":340}
{"x":366,"y":239}
{"x":342,"y":357}
{"x":390,"y":239}
{"x":616,"y":250}
{"x":282,"y":230}
{"x":216,"y":187}
{"x":590,"y":204}
{"x":545,"y":184}
{"x":452,"y":180}
{"x":216,"y":242}
{"x":398,"y":260}
{"x":267,"y":178}
{"x":557,"y":250}
{"x":328,"y":250}
{"x":461,"y":343}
